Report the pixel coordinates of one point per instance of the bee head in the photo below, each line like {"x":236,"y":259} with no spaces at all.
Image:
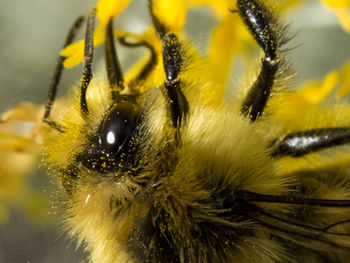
{"x":113,"y":145}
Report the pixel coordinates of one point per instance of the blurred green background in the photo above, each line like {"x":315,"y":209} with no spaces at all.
{"x":32,"y":33}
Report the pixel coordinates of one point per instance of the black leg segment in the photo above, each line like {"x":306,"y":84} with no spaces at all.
{"x":114,"y":72}
{"x":258,"y":95}
{"x":88,"y":56}
{"x":150,"y":65}
{"x":264,"y":27}
{"x":301,"y":143}
{"x":261,"y":24}
{"x":173,"y":62}
{"x":57,"y":76}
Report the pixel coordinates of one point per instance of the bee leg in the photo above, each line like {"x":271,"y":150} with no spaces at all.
{"x":57,"y":76}
{"x":173,"y":62}
{"x":301,"y":143}
{"x":88,"y":56}
{"x":150,"y":65}
{"x":114,"y":72}
{"x":263,"y":26}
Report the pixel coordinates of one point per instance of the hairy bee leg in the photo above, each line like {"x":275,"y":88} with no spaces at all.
{"x":172,"y":65}
{"x":262,"y":25}
{"x":57,"y":76}
{"x":150,"y":65}
{"x":88,"y":57}
{"x":301,"y":143}
{"x":173,"y":60}
{"x":114,"y":72}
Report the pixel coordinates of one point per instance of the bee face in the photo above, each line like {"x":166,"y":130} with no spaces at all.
{"x":163,"y":176}
{"x":114,"y":139}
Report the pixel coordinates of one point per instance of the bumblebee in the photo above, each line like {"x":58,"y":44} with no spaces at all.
{"x":158,"y":174}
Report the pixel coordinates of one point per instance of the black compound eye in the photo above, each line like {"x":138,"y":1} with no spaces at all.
{"x":114,"y":147}
{"x":118,"y":126}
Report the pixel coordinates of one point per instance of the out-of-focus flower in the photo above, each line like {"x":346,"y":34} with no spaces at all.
{"x":317,"y":104}
{"x":229,"y":39}
{"x":342,"y":10}
{"x":171,"y":13}
{"x":105,"y":9}
{"x":20,"y":145}
{"x":344,"y":76}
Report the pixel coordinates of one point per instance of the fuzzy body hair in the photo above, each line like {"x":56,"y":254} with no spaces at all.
{"x":165,"y":205}
{"x":220,"y":150}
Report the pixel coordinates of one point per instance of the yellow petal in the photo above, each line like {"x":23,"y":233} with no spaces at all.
{"x":24,"y":111}
{"x":345,"y":81}
{"x":158,"y":74}
{"x":106,"y":9}
{"x":315,"y":92}
{"x":344,"y":18}
{"x":74,"y":53}
{"x":171,"y":12}
{"x":336,"y":3}
{"x":219,"y":7}
{"x":221,"y":52}
{"x":196,"y":3}
{"x":341,"y":8}
{"x":284,"y":5}
{"x":308,"y":96}
{"x":229,"y":38}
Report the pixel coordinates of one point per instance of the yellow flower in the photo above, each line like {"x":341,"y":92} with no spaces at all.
{"x":336,"y":3}
{"x":291,"y":107}
{"x":171,"y":13}
{"x":341,"y":8}
{"x":20,"y":146}
{"x":105,"y":9}
{"x":344,"y":80}
{"x":228,"y":39}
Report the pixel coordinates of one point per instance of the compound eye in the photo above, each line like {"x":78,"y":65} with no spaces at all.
{"x":119,"y":126}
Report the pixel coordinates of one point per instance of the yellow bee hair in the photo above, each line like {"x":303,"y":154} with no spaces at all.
{"x":165,"y":175}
